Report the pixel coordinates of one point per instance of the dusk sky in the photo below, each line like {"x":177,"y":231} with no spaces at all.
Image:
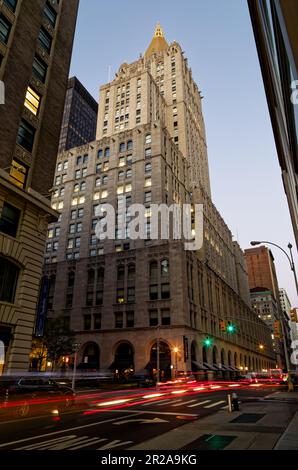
{"x":218,"y":41}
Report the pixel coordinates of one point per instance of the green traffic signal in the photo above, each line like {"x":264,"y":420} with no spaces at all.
{"x":231,"y":328}
{"x":207,"y":342}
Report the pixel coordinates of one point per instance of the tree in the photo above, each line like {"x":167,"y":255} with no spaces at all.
{"x":58,"y":340}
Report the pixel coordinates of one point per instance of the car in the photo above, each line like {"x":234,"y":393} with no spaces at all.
{"x":142,"y":380}
{"x":23,"y":396}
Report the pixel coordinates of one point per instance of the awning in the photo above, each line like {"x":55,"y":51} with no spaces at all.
{"x":223,"y":367}
{"x":234,"y":369}
{"x":199,"y":365}
{"x":209,"y":367}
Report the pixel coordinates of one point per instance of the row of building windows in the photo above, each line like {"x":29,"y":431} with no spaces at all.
{"x":127,"y":319}
{"x":32,"y":102}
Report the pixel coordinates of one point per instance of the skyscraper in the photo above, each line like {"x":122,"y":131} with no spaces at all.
{"x":79,"y":117}
{"x":122,"y":295}
{"x":35,"y":48}
{"x":275,"y":30}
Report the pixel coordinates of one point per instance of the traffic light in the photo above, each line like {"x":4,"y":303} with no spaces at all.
{"x":277,"y":329}
{"x":231,"y":328}
{"x":222,"y":325}
{"x":207,"y":342}
{"x":293,"y":315}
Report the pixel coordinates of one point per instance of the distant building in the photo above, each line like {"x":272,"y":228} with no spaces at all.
{"x":36,"y":39}
{"x":261,"y":269}
{"x":275,"y":29}
{"x":79,"y":117}
{"x":285,"y":302}
{"x":286,"y":307}
{"x":266,"y":307}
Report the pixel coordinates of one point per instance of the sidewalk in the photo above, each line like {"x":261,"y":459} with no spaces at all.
{"x":267,"y":424}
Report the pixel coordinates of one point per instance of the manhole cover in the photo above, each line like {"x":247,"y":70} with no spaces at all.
{"x":248,"y":418}
{"x":209,"y":442}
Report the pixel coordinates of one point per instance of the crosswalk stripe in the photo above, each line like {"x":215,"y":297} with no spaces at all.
{"x":170,"y":401}
{"x":165,"y":402}
{"x":183,"y":403}
{"x":198,"y":404}
{"x":224,"y":407}
{"x":91,"y":441}
{"x":214,"y":404}
{"x":153,"y":403}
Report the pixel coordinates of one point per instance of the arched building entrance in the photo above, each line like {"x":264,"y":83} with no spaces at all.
{"x":164,"y":360}
{"x":90,"y":357}
{"x":124,"y":359}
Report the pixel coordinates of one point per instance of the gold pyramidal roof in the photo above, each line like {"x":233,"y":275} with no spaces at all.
{"x":158,"y":43}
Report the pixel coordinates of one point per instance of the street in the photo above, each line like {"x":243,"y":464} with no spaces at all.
{"x":122,"y":420}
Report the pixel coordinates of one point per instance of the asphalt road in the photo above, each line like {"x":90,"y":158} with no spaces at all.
{"x":118,"y":420}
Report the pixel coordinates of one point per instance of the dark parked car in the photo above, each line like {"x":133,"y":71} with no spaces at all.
{"x":142,"y":380}
{"x":21,"y":396}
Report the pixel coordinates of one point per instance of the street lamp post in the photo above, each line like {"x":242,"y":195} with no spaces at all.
{"x":77,"y":347}
{"x":157,"y":360}
{"x":292,"y":265}
{"x":176,"y":361}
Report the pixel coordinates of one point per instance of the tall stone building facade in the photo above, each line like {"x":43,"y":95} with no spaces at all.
{"x":35,"y":47}
{"x":122,"y":296}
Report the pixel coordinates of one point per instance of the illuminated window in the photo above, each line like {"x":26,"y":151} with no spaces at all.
{"x":148,"y":182}
{"x":120,"y":296}
{"x":122,"y":161}
{"x":128,"y":188}
{"x":32,"y":101}
{"x":18,"y":173}
{"x":104,"y":194}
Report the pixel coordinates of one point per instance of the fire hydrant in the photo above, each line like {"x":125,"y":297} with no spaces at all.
{"x":235,"y":402}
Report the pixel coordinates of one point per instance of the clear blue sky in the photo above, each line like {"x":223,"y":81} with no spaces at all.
{"x":217,"y":39}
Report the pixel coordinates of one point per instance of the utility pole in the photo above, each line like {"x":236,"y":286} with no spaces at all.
{"x":77,"y":347}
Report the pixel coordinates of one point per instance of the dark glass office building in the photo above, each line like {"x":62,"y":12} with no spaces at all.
{"x":275,"y":28}
{"x":79,"y":118}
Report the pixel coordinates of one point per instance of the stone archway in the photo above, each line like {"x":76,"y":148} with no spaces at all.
{"x":124,"y":359}
{"x":164,"y":360}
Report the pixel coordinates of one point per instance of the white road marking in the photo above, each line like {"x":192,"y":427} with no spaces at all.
{"x":98,"y":423}
{"x":141,"y":420}
{"x":184,"y":403}
{"x":224,"y":407}
{"x":153,"y":403}
{"x":171,"y":401}
{"x":156,"y":413}
{"x":114,"y":444}
{"x":198,"y":404}
{"x":215,"y":404}
{"x":166,"y":402}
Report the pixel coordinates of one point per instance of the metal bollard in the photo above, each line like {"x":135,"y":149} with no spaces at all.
{"x":235,"y":402}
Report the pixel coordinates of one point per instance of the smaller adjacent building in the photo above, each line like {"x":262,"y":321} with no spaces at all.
{"x":286,"y":308}
{"x":266,"y":307}
{"x":79,"y":117}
